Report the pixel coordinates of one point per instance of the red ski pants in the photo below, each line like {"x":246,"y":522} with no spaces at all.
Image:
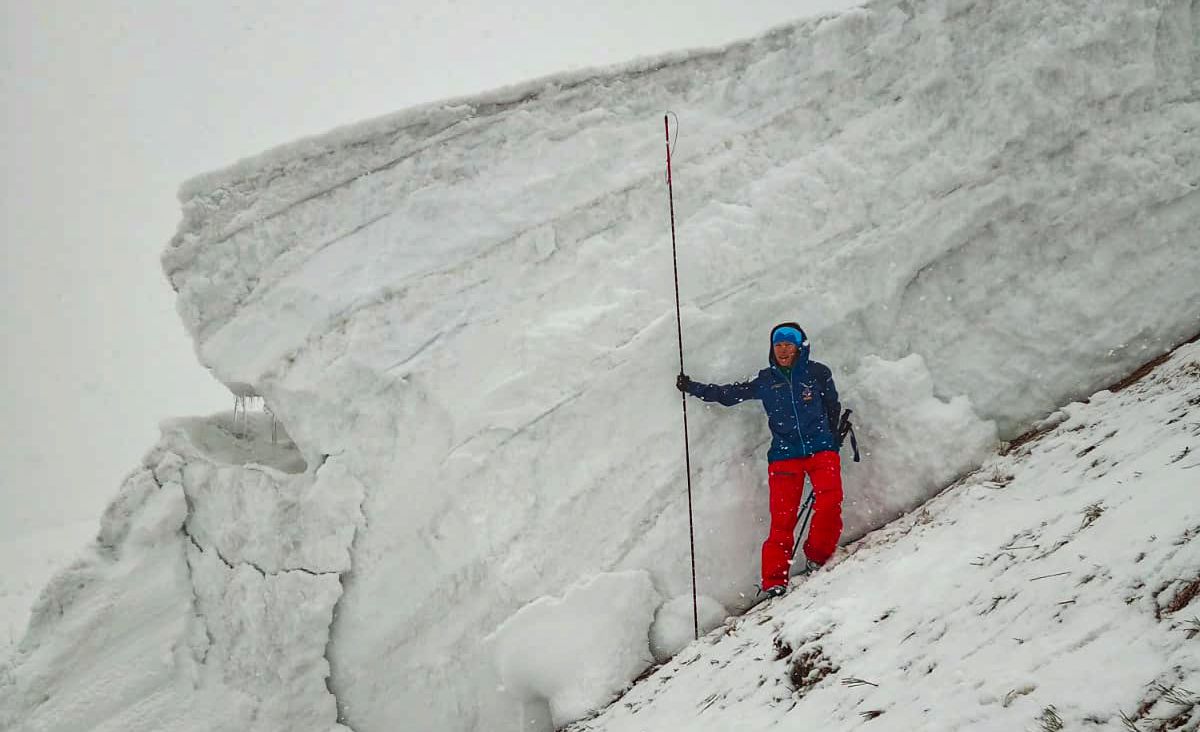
{"x":786,"y":478}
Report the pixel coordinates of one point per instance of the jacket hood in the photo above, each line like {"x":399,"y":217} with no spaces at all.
{"x":801,"y":355}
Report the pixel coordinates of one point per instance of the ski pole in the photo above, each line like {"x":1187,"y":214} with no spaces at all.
{"x":687,"y":453}
{"x":806,"y":511}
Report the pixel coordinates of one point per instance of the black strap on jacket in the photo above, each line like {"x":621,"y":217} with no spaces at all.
{"x":844,"y":427}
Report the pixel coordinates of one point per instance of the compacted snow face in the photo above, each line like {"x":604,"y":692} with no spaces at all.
{"x":463,"y":315}
{"x":1057,"y":588}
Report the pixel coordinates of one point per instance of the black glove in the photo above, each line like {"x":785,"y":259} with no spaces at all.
{"x":683,"y":383}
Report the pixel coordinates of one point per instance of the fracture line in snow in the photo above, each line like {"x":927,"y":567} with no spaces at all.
{"x":196,"y":611}
{"x":217,"y":553}
{"x":330,"y":684}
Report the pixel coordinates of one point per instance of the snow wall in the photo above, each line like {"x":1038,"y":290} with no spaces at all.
{"x":463,"y":316}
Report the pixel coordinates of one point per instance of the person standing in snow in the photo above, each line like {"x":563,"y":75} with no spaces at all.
{"x":802,"y":409}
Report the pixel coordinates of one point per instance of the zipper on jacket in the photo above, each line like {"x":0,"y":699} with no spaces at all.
{"x":796,"y":413}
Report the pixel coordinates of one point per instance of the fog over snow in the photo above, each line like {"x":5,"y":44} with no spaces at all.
{"x":462,"y":317}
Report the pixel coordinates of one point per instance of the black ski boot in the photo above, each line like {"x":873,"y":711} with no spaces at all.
{"x":773,"y":592}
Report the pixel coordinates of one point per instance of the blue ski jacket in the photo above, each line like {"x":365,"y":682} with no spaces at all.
{"x":802,"y":408}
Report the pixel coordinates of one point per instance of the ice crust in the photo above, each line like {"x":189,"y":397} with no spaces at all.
{"x":463,"y":315}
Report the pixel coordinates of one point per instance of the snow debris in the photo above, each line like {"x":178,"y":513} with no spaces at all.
{"x":674,"y":625}
{"x":915,"y":443}
{"x":576,"y":653}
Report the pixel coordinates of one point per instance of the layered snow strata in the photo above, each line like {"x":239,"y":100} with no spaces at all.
{"x":213,"y":618}
{"x":471,"y":303}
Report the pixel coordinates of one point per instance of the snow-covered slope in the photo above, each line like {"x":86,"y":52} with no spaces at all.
{"x":462,"y":315}
{"x":1057,"y":582}
{"x":27,"y":560}
{"x":205,"y":601}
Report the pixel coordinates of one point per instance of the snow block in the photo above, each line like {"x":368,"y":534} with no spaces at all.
{"x":577,"y":652}
{"x":674,"y":626}
{"x":913,"y":442}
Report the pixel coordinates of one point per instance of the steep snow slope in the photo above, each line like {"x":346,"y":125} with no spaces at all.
{"x":1057,"y":582}
{"x":205,"y":601}
{"x":463,"y":316}
{"x":26,"y":561}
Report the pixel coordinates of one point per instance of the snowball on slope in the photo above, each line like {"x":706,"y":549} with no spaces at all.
{"x":912,"y":442}
{"x":577,"y":652}
{"x":674,"y":626}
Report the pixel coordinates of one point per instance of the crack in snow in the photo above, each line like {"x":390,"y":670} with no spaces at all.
{"x":196,"y":610}
{"x":330,"y":685}
{"x":232,"y":566}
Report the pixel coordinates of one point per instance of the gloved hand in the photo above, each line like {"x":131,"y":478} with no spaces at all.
{"x":683,"y":383}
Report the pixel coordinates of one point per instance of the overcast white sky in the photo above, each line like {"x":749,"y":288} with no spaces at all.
{"x":110,"y":104}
